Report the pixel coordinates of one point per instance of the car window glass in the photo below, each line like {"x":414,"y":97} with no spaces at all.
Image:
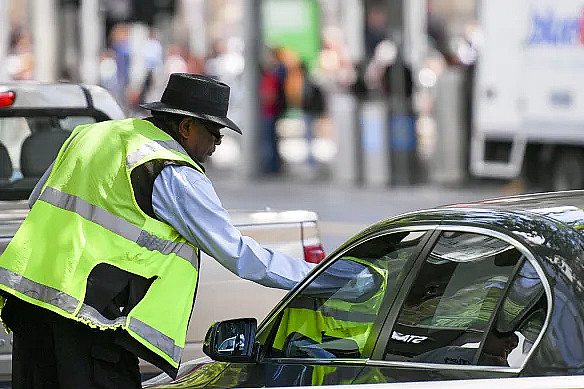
{"x":13,"y":131}
{"x":522,"y":313}
{"x":28,"y":145}
{"x":333,"y":315}
{"x":448,"y":308}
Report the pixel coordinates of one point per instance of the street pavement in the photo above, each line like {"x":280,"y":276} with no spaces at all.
{"x":346,"y":209}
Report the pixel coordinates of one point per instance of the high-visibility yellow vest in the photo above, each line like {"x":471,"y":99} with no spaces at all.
{"x":87,"y":215}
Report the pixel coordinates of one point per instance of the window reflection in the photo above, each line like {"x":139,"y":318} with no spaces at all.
{"x":334,"y":314}
{"x":446,"y":316}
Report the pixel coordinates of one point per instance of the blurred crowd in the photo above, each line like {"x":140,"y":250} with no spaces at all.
{"x":292,"y":86}
{"x":295,"y":92}
{"x":159,"y":62}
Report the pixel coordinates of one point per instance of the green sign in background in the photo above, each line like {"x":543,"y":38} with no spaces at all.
{"x":292,"y":24}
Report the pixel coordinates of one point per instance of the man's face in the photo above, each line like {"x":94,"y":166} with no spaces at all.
{"x":200,"y":138}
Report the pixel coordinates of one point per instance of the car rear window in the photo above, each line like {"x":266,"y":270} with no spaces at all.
{"x":28,"y":145}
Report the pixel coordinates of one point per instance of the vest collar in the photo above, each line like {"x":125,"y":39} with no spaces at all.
{"x":153,"y":122}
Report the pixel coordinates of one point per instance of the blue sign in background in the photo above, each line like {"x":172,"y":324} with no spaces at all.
{"x":550,"y":29}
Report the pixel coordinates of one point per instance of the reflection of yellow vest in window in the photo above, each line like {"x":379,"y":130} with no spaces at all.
{"x":87,"y":215}
{"x":470,"y":307}
{"x":321,"y":318}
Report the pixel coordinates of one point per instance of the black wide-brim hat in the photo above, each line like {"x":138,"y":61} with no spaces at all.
{"x":196,"y":96}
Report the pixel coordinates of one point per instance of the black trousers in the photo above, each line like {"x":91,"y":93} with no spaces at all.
{"x":50,"y":351}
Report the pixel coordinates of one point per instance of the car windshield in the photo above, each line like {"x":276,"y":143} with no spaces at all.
{"x":28,"y":145}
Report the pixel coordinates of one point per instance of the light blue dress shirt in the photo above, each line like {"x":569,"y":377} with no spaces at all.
{"x":186,"y":199}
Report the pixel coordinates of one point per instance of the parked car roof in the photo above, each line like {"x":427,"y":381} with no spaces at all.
{"x":69,"y":97}
{"x":35,"y":120}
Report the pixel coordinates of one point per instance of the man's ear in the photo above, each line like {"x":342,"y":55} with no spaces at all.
{"x":184,"y":127}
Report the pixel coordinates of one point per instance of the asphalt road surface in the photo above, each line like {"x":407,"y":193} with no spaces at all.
{"x":343,"y":209}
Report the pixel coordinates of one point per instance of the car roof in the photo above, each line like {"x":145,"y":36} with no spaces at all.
{"x":545,"y":211}
{"x":566,"y":207}
{"x":31,"y":95}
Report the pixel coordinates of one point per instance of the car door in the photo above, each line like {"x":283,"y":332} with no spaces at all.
{"x":474,"y":306}
{"x":326,"y":329}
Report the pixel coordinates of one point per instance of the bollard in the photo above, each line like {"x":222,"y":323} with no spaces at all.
{"x":343,"y":110}
{"x":448,"y":163}
{"x":375,"y":143}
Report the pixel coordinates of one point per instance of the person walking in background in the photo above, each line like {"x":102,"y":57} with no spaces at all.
{"x":108,"y":73}
{"x":152,"y":54}
{"x":273,"y":106}
{"x":388,"y":73}
{"x":313,"y":105}
{"x":120,"y":284}
{"x":173,"y":62}
{"x":20,"y":61}
{"x":120,"y":44}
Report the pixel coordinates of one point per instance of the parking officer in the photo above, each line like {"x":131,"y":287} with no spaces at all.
{"x":104,"y":268}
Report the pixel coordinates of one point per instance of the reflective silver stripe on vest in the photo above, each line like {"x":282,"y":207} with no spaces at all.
{"x":37,"y":291}
{"x":88,"y":313}
{"x":68,"y":303}
{"x":156,"y":338}
{"x":338,"y":314}
{"x":118,"y":225}
{"x":148,"y":333}
{"x":154,"y":145}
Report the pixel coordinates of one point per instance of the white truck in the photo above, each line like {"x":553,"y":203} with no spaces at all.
{"x":528,"y":103}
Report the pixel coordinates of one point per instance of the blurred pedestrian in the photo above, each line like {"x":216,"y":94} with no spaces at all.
{"x":20,"y":60}
{"x":120,"y":44}
{"x":174,"y":62}
{"x":334,"y":68}
{"x":313,"y":106}
{"x":152,"y":55}
{"x":392,"y":76}
{"x":108,"y":74}
{"x":137,"y":207}
{"x":273,"y":106}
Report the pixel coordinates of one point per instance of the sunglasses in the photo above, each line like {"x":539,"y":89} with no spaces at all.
{"x":213,"y":128}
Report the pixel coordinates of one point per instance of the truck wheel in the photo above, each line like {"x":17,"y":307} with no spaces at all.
{"x":568,"y":171}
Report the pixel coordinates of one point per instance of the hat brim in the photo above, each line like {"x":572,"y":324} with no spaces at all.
{"x":162,"y":107}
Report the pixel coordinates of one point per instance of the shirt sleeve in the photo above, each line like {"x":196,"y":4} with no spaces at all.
{"x":186,"y":199}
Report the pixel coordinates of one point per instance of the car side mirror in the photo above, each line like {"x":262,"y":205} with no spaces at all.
{"x":231,"y":340}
